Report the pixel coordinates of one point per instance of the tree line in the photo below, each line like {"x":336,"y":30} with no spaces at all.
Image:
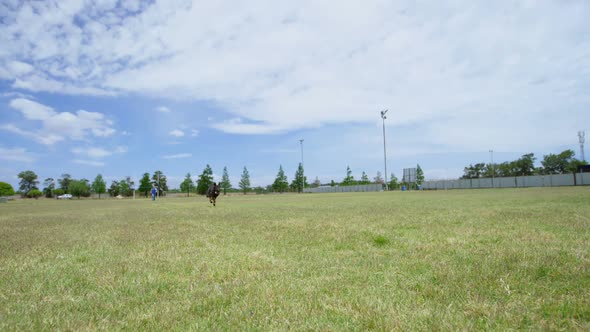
{"x":561,"y":163}
{"x":29,"y":184}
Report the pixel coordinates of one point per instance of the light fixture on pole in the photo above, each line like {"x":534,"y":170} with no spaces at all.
{"x":384,"y":150}
{"x":302,"y":171}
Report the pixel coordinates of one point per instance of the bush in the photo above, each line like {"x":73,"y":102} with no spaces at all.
{"x":34,"y":193}
{"x":58,"y":192}
{"x":6,"y":189}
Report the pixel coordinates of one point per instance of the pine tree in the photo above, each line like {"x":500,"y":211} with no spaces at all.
{"x":281,"y":183}
{"x":300,"y":180}
{"x":205,"y":180}
{"x":245,"y":181}
{"x":365,"y":178}
{"x":187,"y":185}
{"x":378,"y":179}
{"x":316,"y":183}
{"x":225,"y":184}
{"x":419,"y":175}
{"x":349,"y":179}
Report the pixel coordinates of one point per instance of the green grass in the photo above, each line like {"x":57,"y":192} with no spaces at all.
{"x":446,"y":260}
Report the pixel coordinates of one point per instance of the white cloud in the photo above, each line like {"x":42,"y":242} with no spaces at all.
{"x":178,"y":156}
{"x":92,"y":152}
{"x":57,"y":126}
{"x":98,"y":153}
{"x":40,"y":137}
{"x":93,"y":163}
{"x":32,"y":110}
{"x":16,"y":154}
{"x":13,"y":94}
{"x":194,"y":132}
{"x":163,"y":109}
{"x":19,"y":68}
{"x":121,"y":149}
{"x":281,"y":66}
{"x":177,"y":133}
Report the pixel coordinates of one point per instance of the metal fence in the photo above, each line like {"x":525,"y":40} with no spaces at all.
{"x":555,"y":180}
{"x":345,"y":189}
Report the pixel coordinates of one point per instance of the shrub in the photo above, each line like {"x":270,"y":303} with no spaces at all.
{"x":34,"y":193}
{"x":6,"y":189}
{"x":58,"y":192}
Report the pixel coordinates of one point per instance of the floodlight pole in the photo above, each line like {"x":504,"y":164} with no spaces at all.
{"x":302,"y":171}
{"x":384,"y":150}
{"x":492,"y":157}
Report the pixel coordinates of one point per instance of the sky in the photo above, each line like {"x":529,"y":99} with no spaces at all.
{"x":120,"y":88}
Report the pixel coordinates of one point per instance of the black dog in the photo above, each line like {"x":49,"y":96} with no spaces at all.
{"x":213,"y":192}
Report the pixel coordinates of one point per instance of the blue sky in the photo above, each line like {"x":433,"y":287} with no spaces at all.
{"x":126,"y":87}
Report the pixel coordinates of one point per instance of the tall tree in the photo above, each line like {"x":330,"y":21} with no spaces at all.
{"x":473,"y":171}
{"x":64,"y":182}
{"x":79,"y":188}
{"x":419,"y":175}
{"x":378,"y":179}
{"x":187,"y":185}
{"x":245,"y":181}
{"x":300,"y":180}
{"x":160,"y":180}
{"x":316,"y":183}
{"x":525,"y":165}
{"x":127,"y":186}
{"x":28,"y":181}
{"x":365,"y":178}
{"x":205,"y":180}
{"x":349,"y":179}
{"x":48,"y":187}
{"x":225,"y":184}
{"x":6,"y":189}
{"x":144,"y":184}
{"x":281,"y":183}
{"x":393,"y":182}
{"x":114,"y":188}
{"x":558,"y":163}
{"x":99,"y":186}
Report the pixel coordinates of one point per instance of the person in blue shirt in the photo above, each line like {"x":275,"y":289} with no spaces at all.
{"x":154,"y":192}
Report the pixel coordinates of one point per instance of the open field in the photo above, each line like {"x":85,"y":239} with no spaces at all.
{"x":474,"y":259}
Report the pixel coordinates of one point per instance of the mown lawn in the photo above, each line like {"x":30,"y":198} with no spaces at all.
{"x":447,"y":260}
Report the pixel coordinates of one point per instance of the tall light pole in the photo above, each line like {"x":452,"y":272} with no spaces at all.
{"x":384,"y":150}
{"x":302,"y":171}
{"x":581,"y":139}
{"x":492,"y":157}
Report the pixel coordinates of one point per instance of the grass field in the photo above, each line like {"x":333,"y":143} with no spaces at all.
{"x":446,"y":260}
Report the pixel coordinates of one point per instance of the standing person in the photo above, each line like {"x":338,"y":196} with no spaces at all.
{"x":154,"y":192}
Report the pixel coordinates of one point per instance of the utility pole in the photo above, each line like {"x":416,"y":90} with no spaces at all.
{"x":302,"y":170}
{"x":581,"y":138}
{"x":492,"y":157}
{"x":384,"y":150}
